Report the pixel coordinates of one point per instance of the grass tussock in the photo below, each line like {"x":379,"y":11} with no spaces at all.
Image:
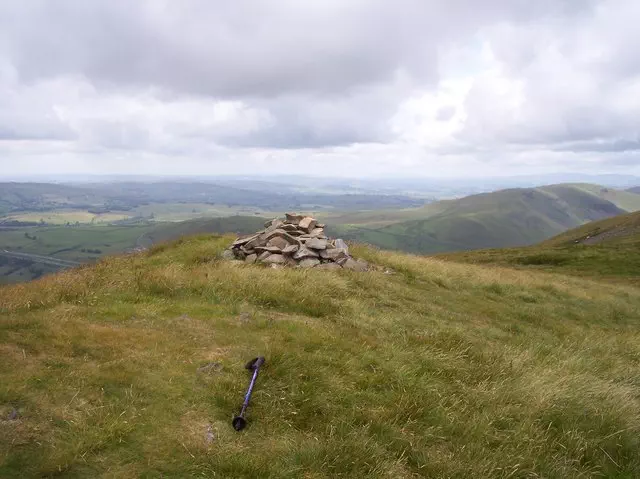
{"x":420,"y":368}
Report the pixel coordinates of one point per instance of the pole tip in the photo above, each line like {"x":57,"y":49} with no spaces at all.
{"x":239,"y":423}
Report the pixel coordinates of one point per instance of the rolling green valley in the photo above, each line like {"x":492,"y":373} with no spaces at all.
{"x":38,"y":224}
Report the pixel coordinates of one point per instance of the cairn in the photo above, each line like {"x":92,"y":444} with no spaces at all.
{"x":297,"y":241}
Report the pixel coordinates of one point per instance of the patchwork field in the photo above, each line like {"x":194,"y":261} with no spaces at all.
{"x":62,"y":217}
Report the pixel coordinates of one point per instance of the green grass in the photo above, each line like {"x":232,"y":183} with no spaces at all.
{"x":615,"y":262}
{"x":620,"y":230}
{"x":436,"y":370}
{"x":607,"y":248}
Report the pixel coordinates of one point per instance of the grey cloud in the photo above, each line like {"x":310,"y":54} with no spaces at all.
{"x":245,"y":48}
{"x":116,"y":135}
{"x":33,"y":133}
{"x":311,"y":122}
{"x":602,"y":146}
{"x":577,"y":85}
{"x":16,"y":125}
{"x":224,"y":49}
{"x":313,"y":74}
{"x":445,"y":113}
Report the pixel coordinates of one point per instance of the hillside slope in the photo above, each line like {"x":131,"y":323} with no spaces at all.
{"x":513,"y":217}
{"x":623,"y":229}
{"x":420,"y":368}
{"x":608,"y":248}
{"x":626,"y":200}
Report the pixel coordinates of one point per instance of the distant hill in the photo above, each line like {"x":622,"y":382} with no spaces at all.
{"x":604,"y":249}
{"x":507,"y":218}
{"x":635,"y":189}
{"x":626,"y":200}
{"x":125,"y":196}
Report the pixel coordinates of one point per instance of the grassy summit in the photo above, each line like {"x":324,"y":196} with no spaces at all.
{"x":436,"y":370}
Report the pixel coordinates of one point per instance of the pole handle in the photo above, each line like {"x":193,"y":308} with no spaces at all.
{"x":255,"y":363}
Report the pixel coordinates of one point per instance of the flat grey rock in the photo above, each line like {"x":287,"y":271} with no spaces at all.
{"x":304,"y":252}
{"x":270,"y":249}
{"x":280,"y":233}
{"x":340,"y":243}
{"x":292,"y":248}
{"x":263,"y":256}
{"x":244,"y":240}
{"x":257,"y":241}
{"x":316,"y":243}
{"x":307,"y":223}
{"x":341,"y":260}
{"x":275,"y":259}
{"x":334,"y":254}
{"x":278,"y":242}
{"x":275,"y":224}
{"x":293,"y":218}
{"x":228,"y":254}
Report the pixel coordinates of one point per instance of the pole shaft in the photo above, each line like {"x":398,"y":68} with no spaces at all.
{"x":247,"y":396}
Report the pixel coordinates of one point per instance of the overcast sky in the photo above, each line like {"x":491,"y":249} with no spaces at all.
{"x":322,"y":87}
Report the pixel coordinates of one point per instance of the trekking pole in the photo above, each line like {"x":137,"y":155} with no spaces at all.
{"x":239,"y":422}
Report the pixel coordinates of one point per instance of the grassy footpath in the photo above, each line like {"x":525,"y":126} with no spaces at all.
{"x":436,"y":370}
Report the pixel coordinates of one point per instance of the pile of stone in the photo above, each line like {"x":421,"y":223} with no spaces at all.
{"x":295,"y":241}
